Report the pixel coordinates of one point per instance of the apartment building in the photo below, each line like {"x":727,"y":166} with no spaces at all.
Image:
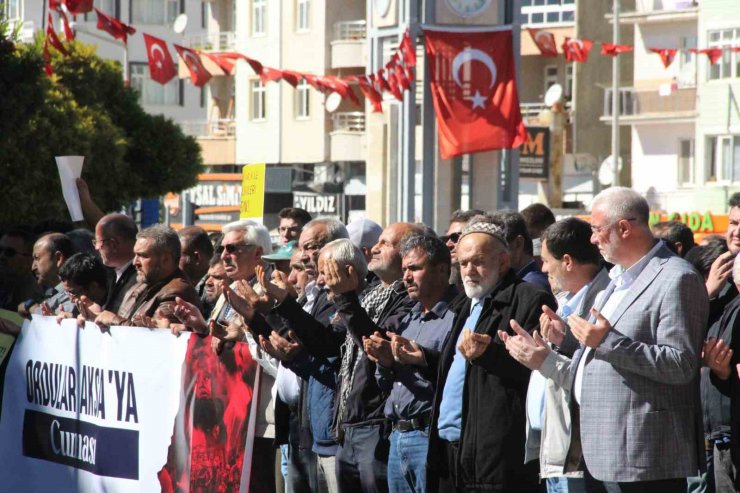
{"x":315,"y":158}
{"x":684,"y":119}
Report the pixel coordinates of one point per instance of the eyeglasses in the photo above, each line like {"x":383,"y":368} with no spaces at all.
{"x":233,"y":248}
{"x":11,"y":252}
{"x":599,"y":229}
{"x":99,"y":243}
{"x":454,"y":237}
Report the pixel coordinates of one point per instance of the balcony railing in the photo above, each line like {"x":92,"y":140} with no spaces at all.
{"x":645,"y":103}
{"x":349,"y":121}
{"x":350,"y":31}
{"x":223,"y":41}
{"x":213,"y":129}
{"x":664,"y":5}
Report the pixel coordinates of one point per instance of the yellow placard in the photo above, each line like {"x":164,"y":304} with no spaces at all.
{"x":253,"y":192}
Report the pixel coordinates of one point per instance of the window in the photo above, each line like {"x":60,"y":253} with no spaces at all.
{"x":548,"y":11}
{"x":685,"y":161}
{"x":151,"y":92}
{"x":10,"y":9}
{"x":551,"y":77}
{"x":259,"y":100}
{"x":569,"y":80}
{"x":724,"y":158}
{"x":303,"y":100}
{"x":259,"y":11}
{"x":303,"y":15}
{"x":154,"y":12}
{"x":728,"y":65}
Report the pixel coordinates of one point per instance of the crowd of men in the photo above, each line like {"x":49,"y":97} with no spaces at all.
{"x":514,"y":353}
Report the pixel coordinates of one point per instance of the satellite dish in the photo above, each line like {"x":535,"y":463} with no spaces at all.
{"x":332,"y":102}
{"x":607,"y":170}
{"x":181,"y":22}
{"x":553,"y":95}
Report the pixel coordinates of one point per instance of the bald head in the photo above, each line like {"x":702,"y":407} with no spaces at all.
{"x":386,"y":254}
{"x":115,"y":235}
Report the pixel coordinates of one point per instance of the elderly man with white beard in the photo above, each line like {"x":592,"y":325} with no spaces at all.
{"x":477,"y":432}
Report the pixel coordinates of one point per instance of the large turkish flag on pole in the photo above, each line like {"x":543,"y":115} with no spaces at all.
{"x":474,"y":91}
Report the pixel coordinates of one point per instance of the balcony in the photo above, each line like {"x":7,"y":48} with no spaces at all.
{"x":652,"y":105}
{"x":348,"y":136}
{"x":661,"y":11}
{"x":216,"y":42}
{"x":348,"y":45}
{"x":217,"y":139}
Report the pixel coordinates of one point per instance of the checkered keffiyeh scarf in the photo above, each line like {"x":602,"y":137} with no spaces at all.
{"x":373,"y":302}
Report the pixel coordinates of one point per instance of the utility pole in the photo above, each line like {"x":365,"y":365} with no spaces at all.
{"x":615,"y":95}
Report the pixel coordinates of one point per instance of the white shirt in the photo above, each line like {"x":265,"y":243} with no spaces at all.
{"x":622,"y":281}
{"x":119,"y":272}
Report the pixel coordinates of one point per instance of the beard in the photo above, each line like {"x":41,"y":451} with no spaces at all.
{"x":478,"y":288}
{"x":607,"y":251}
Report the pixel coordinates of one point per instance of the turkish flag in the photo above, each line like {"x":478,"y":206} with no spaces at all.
{"x":291,"y":77}
{"x":545,"y":42}
{"x":610,"y":49}
{"x":666,"y":55}
{"x":408,"y":50}
{"x":369,"y":91}
{"x":394,"y":86}
{"x":52,"y":38}
{"x":378,"y":80}
{"x":78,"y":6}
{"x":577,"y":50}
{"x":68,"y":32}
{"x":270,"y":74}
{"x":714,"y":54}
{"x":198,"y":73}
{"x":223,"y":62}
{"x":395,"y":66}
{"x":474,"y":91}
{"x":334,"y":84}
{"x":161,"y":66}
{"x":114,"y":27}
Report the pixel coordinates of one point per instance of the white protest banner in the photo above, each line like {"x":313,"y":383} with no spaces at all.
{"x":89,"y":411}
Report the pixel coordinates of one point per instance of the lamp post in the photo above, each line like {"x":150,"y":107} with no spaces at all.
{"x":615,"y":96}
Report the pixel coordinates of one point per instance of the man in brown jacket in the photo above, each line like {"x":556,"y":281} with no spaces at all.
{"x":151,"y":301}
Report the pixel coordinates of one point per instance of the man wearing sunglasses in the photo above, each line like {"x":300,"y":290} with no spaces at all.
{"x":17,"y":283}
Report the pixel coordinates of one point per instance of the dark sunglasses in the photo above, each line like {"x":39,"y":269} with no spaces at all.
{"x":454,"y":237}
{"x":232,"y":248}
{"x":11,"y":252}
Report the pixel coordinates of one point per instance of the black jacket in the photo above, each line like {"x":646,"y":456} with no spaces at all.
{"x":366,"y":401}
{"x":491,"y":448}
{"x":118,"y":289}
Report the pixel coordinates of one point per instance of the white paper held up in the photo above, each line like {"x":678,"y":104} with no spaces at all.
{"x":70,"y":168}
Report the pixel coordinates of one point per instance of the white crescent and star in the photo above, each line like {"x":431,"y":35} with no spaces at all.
{"x":543,"y":37}
{"x":577,"y":42}
{"x":194,"y":65}
{"x":469,"y":55}
{"x":154,"y":49}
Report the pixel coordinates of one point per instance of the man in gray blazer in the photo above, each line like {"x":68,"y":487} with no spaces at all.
{"x":635,"y":376}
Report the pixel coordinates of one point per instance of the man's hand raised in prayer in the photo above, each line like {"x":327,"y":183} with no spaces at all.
{"x":224,"y":333}
{"x":528,"y":350}
{"x":552,"y":327}
{"x":270,"y":289}
{"x":280,"y":279}
{"x":717,"y":355}
{"x":473,"y":344}
{"x":340,"y":279}
{"x":587,"y":333}
{"x":719,"y":272}
{"x":244,"y":300}
{"x":406,"y":351}
{"x":190,"y":316}
{"x":281,"y":348}
{"x":378,"y":349}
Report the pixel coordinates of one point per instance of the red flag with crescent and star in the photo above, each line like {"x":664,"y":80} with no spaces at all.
{"x":198,"y":73}
{"x":714,"y":54}
{"x":474,"y":91}
{"x":367,"y":89}
{"x":161,"y":66}
{"x":666,"y":55}
{"x":577,"y":50}
{"x":113,"y":26}
{"x":545,"y":42}
{"x":52,"y":38}
{"x":78,"y":6}
{"x":610,"y":49}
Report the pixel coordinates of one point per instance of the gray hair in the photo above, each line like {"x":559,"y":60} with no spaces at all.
{"x":623,"y":203}
{"x":164,"y":240}
{"x":346,"y":253}
{"x":335,"y":230}
{"x":254,"y":233}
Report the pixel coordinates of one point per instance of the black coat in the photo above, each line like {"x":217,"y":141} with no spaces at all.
{"x":491,"y":448}
{"x":117,"y":289}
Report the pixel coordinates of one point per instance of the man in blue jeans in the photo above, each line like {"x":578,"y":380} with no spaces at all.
{"x":426,"y":272}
